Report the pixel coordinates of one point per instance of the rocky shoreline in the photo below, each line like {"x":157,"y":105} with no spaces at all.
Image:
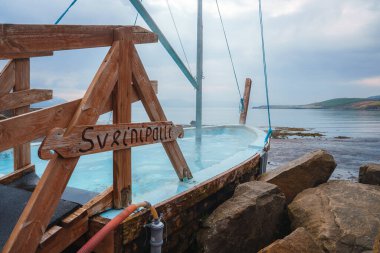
{"x":297,"y":208}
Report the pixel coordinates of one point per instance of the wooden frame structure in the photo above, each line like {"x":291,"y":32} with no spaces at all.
{"x":120,"y":80}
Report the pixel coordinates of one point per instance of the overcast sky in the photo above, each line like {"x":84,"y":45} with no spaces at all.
{"x":316,"y":49}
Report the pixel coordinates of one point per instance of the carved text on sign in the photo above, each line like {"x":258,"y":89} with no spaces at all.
{"x":84,"y":140}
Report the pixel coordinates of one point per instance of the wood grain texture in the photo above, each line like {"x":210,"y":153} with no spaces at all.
{"x":37,"y":124}
{"x":13,"y":176}
{"x":21,"y":153}
{"x":85,"y":140}
{"x":153,"y":108}
{"x":16,"y":39}
{"x":247,"y":92}
{"x":7,"y":78}
{"x":122,"y":113}
{"x":25,"y":55}
{"x":45,"y":198}
{"x":24,"y":98}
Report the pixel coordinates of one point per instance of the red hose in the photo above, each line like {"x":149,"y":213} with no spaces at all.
{"x":110,"y":226}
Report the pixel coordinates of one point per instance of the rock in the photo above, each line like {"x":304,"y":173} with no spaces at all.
{"x":246,"y":222}
{"x":299,"y":241}
{"x":341,"y":216}
{"x":376,"y":246}
{"x":308,"y":171}
{"x":370,"y":174}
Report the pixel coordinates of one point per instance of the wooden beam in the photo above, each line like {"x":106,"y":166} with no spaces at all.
{"x":122,"y":113}
{"x":7,"y":179}
{"x":45,"y":198}
{"x":24,"y":98}
{"x":57,"y":238}
{"x":16,"y":39}
{"x":37,"y":124}
{"x":25,"y":55}
{"x":247,"y":92}
{"x":7,"y":78}
{"x":21,"y":153}
{"x":85,"y":140}
{"x":153,"y":108}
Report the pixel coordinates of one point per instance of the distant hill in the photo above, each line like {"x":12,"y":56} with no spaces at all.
{"x":370,"y":103}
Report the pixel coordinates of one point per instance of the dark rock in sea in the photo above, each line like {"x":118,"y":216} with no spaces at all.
{"x":310,"y":170}
{"x":370,"y":174}
{"x":299,"y":241}
{"x":341,"y":216}
{"x":247,"y":222}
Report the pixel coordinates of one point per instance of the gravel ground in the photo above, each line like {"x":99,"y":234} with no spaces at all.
{"x":349,"y":154}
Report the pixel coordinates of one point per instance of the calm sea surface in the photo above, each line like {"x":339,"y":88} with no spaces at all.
{"x":332,"y":123}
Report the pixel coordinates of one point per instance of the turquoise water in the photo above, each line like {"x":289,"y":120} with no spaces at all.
{"x":221,"y":149}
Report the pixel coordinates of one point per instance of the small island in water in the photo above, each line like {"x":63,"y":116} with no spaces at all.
{"x":370,"y":103}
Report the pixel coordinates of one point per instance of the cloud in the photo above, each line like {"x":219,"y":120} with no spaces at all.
{"x":370,"y":81}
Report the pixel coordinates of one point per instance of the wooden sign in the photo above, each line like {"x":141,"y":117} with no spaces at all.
{"x":84,"y":140}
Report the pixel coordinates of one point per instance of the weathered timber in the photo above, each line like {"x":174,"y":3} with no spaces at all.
{"x":122,"y":113}
{"x":9,"y":178}
{"x":16,"y":39}
{"x":25,"y":55}
{"x":247,"y":92}
{"x":45,"y":198}
{"x":24,"y":98}
{"x":21,"y":153}
{"x":37,"y":124}
{"x":113,"y":243}
{"x":7,"y":78}
{"x":85,"y":140}
{"x":153,"y":108}
{"x":61,"y":237}
{"x":178,"y":204}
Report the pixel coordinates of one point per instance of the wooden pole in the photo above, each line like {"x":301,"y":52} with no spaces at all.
{"x":122,"y":111}
{"x":198,"y":118}
{"x":21,"y":153}
{"x":247,"y":92}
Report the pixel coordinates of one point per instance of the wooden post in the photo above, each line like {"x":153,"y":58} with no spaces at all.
{"x":247,"y":92}
{"x":21,"y":153}
{"x":37,"y":213}
{"x":122,"y":111}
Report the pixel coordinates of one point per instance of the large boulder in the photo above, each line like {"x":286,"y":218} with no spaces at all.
{"x":247,"y":222}
{"x":299,"y":241}
{"x":341,"y":216}
{"x":370,"y":174}
{"x":308,"y":171}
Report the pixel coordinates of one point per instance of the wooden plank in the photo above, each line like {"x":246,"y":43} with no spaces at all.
{"x":153,"y":108}
{"x":24,"y":98}
{"x":178,"y":204}
{"x":45,"y":198}
{"x":21,"y":153}
{"x":36,"y":38}
{"x":98,"y":204}
{"x":122,"y":113}
{"x":247,"y":92}
{"x":37,"y":124}
{"x":25,"y":55}
{"x":57,"y":239}
{"x":7,"y":179}
{"x":85,"y":140}
{"x":7,"y":78}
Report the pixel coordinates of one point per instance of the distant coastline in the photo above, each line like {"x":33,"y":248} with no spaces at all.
{"x":370,"y":103}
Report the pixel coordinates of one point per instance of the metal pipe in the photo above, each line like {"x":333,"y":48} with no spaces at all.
{"x":161,"y":37}
{"x":199,"y":72}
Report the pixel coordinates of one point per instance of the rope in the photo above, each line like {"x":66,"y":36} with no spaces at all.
{"x":178,"y":35}
{"x":137,"y":15}
{"x":229,"y":52}
{"x":64,"y":13}
{"x":265,"y":72}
